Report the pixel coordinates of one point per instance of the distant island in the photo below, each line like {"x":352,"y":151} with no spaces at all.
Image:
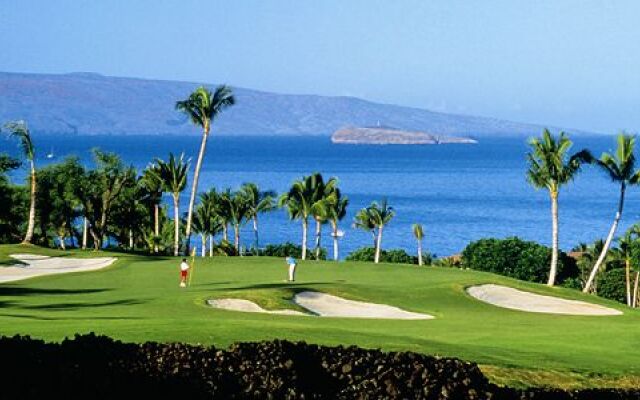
{"x":389,"y":135}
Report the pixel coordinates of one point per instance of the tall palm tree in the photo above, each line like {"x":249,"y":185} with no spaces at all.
{"x":174,"y":180}
{"x":207,"y":212}
{"x":381,"y":214}
{"x":19,"y":130}
{"x":203,"y":107}
{"x":152,"y":186}
{"x":418,"y":232}
{"x":299,"y":200}
{"x":550,"y":167}
{"x":337,"y":209}
{"x":257,"y":202}
{"x":621,"y":169}
{"x":319,"y":206}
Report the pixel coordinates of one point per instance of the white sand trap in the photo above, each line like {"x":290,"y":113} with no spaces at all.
{"x":515,"y":299}
{"x":37,"y":265}
{"x":247,"y":306}
{"x":326,"y":305}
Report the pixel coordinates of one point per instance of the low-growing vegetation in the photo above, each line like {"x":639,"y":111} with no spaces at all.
{"x":516,"y":258}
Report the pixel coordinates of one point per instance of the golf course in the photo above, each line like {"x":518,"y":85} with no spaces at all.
{"x":137,"y":298}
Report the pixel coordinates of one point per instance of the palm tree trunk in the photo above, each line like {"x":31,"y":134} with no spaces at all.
{"x":203,"y":252}
{"x":84,"y":233}
{"x":225,"y":233}
{"x":607,"y":243}
{"x":131,"y":239}
{"x":554,"y":239}
{"x":236,"y":237}
{"x":318,"y":238}
{"x":210,"y":245}
{"x":156,"y":226}
{"x":635,"y":290}
{"x":420,"y":252}
{"x":305,"y":225}
{"x":32,"y":206}
{"x":97,"y":239}
{"x":62,"y":244}
{"x":627,"y":272}
{"x":255,"y":230}
{"x":194,"y":184}
{"x":335,"y":240}
{"x":176,"y":224}
{"x":378,"y":244}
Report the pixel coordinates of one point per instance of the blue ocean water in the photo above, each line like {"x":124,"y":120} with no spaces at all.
{"x":459,"y":193}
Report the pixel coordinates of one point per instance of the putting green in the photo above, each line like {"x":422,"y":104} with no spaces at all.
{"x":138,"y":299}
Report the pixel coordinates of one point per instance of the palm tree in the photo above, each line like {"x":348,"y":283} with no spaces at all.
{"x":550,"y":169}
{"x":381,"y":214}
{"x":223,"y":211}
{"x":257,"y":202}
{"x":319,"y":206}
{"x":19,"y":130}
{"x":621,"y":169}
{"x":202,"y":226}
{"x":173,"y":175}
{"x":299,"y":200}
{"x":152,"y":187}
{"x":364,"y":221}
{"x":418,"y":232}
{"x":337,"y":209}
{"x":207,"y":211}
{"x":203,"y":107}
{"x":238,"y":208}
{"x":623,"y":253}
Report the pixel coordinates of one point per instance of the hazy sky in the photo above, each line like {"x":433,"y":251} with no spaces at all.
{"x":565,"y":63}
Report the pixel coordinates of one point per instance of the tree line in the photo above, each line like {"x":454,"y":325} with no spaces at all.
{"x":551,"y":167}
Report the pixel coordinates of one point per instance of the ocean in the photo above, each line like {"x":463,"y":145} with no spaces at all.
{"x":459,"y":193}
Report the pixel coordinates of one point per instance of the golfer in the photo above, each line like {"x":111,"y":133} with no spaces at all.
{"x":184,"y":272}
{"x":292,"y":268}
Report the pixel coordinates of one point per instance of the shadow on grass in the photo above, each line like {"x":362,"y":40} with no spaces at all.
{"x":212,"y":284}
{"x":47,"y":318}
{"x":284,"y":285}
{"x":25,"y":291}
{"x":76,"y":306}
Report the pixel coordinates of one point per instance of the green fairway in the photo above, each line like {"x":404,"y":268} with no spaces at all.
{"x":138,"y":299}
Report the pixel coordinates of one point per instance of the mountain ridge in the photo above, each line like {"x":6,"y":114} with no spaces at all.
{"x":88,"y":103}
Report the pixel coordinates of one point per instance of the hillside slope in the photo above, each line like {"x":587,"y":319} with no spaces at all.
{"x":86,"y":103}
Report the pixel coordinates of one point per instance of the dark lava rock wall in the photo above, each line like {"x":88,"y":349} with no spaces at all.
{"x":97,"y":367}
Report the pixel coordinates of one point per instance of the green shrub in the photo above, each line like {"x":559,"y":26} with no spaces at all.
{"x":611,"y":285}
{"x":224,"y":248}
{"x":573,"y":283}
{"x":516,"y":258}
{"x":394,"y":256}
{"x":290,"y":249}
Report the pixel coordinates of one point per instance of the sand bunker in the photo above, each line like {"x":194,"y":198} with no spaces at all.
{"x":326,"y":305}
{"x":247,"y":306}
{"x":37,"y":265}
{"x":323,"y":305}
{"x":515,"y":299}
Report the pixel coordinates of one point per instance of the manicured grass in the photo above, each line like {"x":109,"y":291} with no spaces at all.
{"x":138,"y":299}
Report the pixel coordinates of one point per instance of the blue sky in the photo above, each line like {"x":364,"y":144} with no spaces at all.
{"x":574,"y":64}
